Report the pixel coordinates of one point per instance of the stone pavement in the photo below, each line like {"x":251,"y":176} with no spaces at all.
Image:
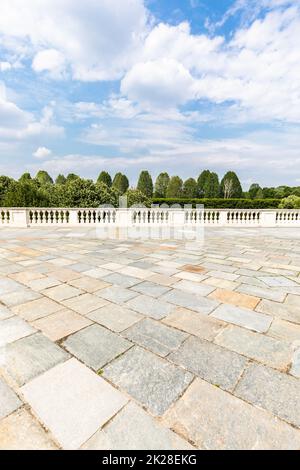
{"x":111,"y":344}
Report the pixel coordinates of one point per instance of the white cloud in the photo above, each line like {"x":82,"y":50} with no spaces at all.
{"x":4,"y":66}
{"x":42,"y":152}
{"x":98,"y":38}
{"x":49,"y":60}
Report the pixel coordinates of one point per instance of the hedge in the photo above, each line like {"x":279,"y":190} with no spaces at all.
{"x":222,"y":203}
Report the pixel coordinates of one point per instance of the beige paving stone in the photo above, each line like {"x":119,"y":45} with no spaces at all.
{"x":234,"y":298}
{"x":20,"y":431}
{"x":295,"y":368}
{"x":163,"y":280}
{"x":62,"y":292}
{"x":264,"y":349}
{"x":216,"y":420}
{"x":61,"y":324}
{"x":194,"y":287}
{"x":43,"y":283}
{"x":285,"y":330}
{"x":25,"y":276}
{"x":12,"y":329}
{"x":18,"y":297}
{"x":293,"y":301}
{"x":89,"y":284}
{"x":37,"y":309}
{"x":190,"y":276}
{"x":279,"y":310}
{"x":136,"y":272}
{"x":221,"y":283}
{"x":64,"y":275}
{"x":194,"y":323}
{"x":72,"y":402}
{"x":115,"y":317}
{"x":85,"y":303}
{"x":191,"y":268}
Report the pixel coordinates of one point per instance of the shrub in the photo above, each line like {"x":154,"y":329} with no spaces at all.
{"x":217,"y":203}
{"x":136,"y":197}
{"x":290,"y":202}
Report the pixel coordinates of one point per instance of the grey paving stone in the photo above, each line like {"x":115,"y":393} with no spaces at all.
{"x":210,"y":362}
{"x":96,"y":346}
{"x":191,"y":301}
{"x":285,"y":330}
{"x":18,"y":297}
{"x":150,"y":288}
{"x":216,"y":420}
{"x":278,"y":281}
{"x":194,"y":287}
{"x":150,"y":307}
{"x":155,"y":336}
{"x":283,"y":311}
{"x":223,"y":275}
{"x":243,"y":317}
{"x":9,"y":401}
{"x":20,"y":431}
{"x":72,"y":402}
{"x":12,"y":329}
{"x":275,"y":391}
{"x":121,"y":280}
{"x":116,"y":294}
{"x":151,"y":380}
{"x":115,"y":317}
{"x":264,"y":293}
{"x":5,"y":312}
{"x":31,"y":356}
{"x":295,"y":369}
{"x":134,"y":429}
{"x":269,"y":351}
{"x":8,"y":285}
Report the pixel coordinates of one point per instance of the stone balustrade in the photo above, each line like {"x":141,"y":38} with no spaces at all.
{"x":130,"y":217}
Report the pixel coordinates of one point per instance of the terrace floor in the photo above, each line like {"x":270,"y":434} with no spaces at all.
{"x":150,"y":345}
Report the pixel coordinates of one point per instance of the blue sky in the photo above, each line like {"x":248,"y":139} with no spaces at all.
{"x":127,"y":85}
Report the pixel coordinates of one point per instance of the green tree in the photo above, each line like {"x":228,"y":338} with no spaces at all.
{"x":202,"y":179}
{"x":190,"y":189}
{"x":145,"y":183}
{"x":231,"y":186}
{"x":25,"y":194}
{"x":212,"y":186}
{"x":105,"y":178}
{"x":161,"y":184}
{"x":60,"y":179}
{"x":5,"y":184}
{"x":25,"y":177}
{"x":269,"y":193}
{"x":174,"y":188}
{"x":72,"y":177}
{"x":43,"y":177}
{"x":120,"y":183}
{"x":253,"y":190}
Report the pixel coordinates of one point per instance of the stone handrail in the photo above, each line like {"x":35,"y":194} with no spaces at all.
{"x":39,"y":217}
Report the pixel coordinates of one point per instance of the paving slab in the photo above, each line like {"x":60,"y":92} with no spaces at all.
{"x":235,"y":298}
{"x":43,"y":283}
{"x":12,"y":329}
{"x":154,"y":336}
{"x":62,"y":292}
{"x":264,"y":293}
{"x":121,"y":280}
{"x":18,"y":297}
{"x":264,"y":349}
{"x":243,"y":317}
{"x":85,"y":303}
{"x":8,"y":285}
{"x":190,"y":301}
{"x":150,"y":288}
{"x":134,"y":429}
{"x":31,"y":356}
{"x":194,"y":323}
{"x":285,"y":330}
{"x":96,"y":346}
{"x":194,"y":287}
{"x":115,"y":317}
{"x":215,"y":364}
{"x":37,"y":309}
{"x":61,"y":324}
{"x":116,"y":294}
{"x":216,"y":420}
{"x":153,"y":381}
{"x":5,"y":312}
{"x":272,"y":390}
{"x":72,"y":402}
{"x":20,"y":431}
{"x":279,"y":310}
{"x":9,"y":401}
{"x":89,"y":284}
{"x":148,"y":306}
{"x":295,"y":368}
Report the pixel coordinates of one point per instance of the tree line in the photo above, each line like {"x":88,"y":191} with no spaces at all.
{"x":74,"y":191}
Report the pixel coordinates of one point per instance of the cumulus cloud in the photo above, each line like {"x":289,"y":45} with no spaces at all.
{"x":49,"y":60}
{"x":42,"y":152}
{"x":98,"y":38}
